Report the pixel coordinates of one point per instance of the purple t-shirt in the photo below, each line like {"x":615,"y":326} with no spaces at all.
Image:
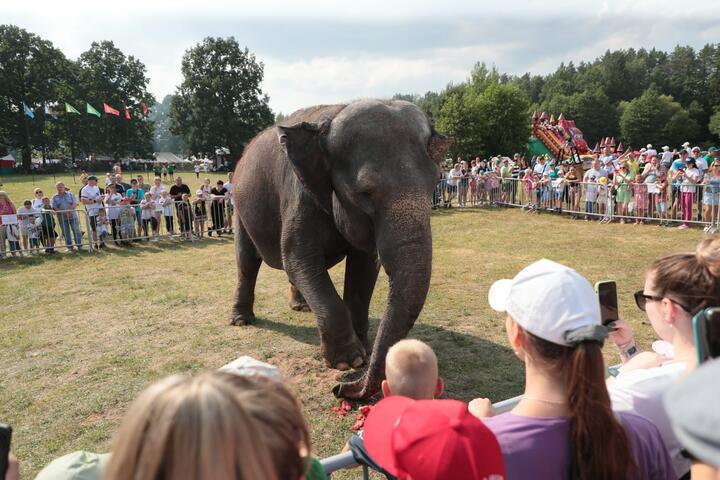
{"x":540,"y":447}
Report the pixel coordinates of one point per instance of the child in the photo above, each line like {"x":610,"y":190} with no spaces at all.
{"x":147,"y":213}
{"x":602,"y":195}
{"x":166,"y":202}
{"x":185,"y":217}
{"x":127,"y":222}
{"x":640,"y":192}
{"x":47,"y":227}
{"x":200,"y":213}
{"x":157,"y":215}
{"x":591,"y":191}
{"x":26,"y":216}
{"x":528,"y":188}
{"x":102,"y":227}
{"x":662,"y":197}
{"x":113,"y":201}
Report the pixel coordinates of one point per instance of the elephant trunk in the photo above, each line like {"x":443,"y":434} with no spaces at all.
{"x":405,"y":250}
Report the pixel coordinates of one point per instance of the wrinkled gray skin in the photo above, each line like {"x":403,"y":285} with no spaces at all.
{"x":341,"y":181}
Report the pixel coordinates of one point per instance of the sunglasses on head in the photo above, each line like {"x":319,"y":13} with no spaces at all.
{"x":641,"y":300}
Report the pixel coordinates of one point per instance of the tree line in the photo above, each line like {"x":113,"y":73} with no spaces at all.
{"x":219,"y":102}
{"x":637,"y":96}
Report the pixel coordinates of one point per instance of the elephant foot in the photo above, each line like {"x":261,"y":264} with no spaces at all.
{"x":345,"y":356}
{"x":239,"y":319}
{"x":356,"y":390}
{"x":300,"y":307}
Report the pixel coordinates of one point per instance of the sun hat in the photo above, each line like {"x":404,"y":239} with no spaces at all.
{"x":686,"y":144}
{"x":430,"y":439}
{"x":649,"y":146}
{"x":551,"y":301}
{"x":692,"y":406}
{"x":603,"y":180}
{"x":78,"y":465}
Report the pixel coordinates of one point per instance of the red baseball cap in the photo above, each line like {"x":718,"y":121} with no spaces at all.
{"x":431,"y":439}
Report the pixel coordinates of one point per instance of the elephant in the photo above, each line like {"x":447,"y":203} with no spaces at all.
{"x":333,"y":182}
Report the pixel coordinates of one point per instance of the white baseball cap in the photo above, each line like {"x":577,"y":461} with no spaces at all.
{"x":649,"y":145}
{"x":666,"y":148}
{"x":551,"y":301}
{"x":686,"y":144}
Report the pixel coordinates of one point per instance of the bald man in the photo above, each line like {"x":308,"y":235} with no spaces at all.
{"x":411,"y":370}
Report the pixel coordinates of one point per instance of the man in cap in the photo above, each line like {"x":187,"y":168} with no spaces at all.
{"x":91,"y":197}
{"x":667,"y":157}
{"x":686,"y":147}
{"x":650,"y":150}
{"x":701,"y":165}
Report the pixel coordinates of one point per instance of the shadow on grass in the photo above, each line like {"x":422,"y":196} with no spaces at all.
{"x":131,"y":250}
{"x":470,"y":366}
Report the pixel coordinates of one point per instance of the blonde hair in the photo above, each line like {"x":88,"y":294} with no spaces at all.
{"x":279,"y":420}
{"x":411,"y":370}
{"x":187,"y":428}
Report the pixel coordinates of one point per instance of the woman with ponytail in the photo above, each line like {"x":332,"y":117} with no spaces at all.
{"x":564,"y":427}
{"x":677,"y":287}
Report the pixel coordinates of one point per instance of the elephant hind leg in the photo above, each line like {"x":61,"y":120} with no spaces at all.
{"x":248,"y":266}
{"x":296,"y":300}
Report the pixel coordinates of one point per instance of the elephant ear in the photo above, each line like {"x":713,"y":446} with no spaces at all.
{"x":438,"y":146}
{"x":303,"y":143}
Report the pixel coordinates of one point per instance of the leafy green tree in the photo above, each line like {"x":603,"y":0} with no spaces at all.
{"x":458,"y":118}
{"x":657,"y":119}
{"x":28,"y":64}
{"x":107,"y":75}
{"x":165,"y":140}
{"x":220,"y":102}
{"x":714,"y":125}
{"x":502,"y":110}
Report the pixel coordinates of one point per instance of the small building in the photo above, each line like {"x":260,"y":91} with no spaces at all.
{"x":7,"y":164}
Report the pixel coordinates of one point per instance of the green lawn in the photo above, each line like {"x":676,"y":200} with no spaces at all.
{"x":82,"y":334}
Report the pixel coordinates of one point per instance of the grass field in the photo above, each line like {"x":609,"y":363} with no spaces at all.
{"x":82,"y":334}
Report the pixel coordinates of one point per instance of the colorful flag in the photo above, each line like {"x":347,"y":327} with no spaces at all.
{"x":108,"y":109}
{"x":70,"y":109}
{"x":49,"y":111}
{"x":144,"y":108}
{"x":27,"y":110}
{"x":127,"y":113}
{"x":89,"y":109}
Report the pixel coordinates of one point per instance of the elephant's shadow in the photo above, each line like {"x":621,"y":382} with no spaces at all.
{"x":470,"y":366}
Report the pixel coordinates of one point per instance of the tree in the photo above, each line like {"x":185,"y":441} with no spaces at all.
{"x":657,"y":119}
{"x":458,"y":118}
{"x":28,"y":64}
{"x":714,"y":125}
{"x":164,"y":140}
{"x":219,"y":102}
{"x":505,"y":127}
{"x":107,"y":75}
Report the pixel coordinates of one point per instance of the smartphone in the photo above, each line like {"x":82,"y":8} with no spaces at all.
{"x":607,"y":295}
{"x":5,"y":437}
{"x":706,"y":328}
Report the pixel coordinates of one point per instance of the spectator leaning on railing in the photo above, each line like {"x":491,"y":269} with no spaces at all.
{"x":564,"y":427}
{"x":64,"y":203}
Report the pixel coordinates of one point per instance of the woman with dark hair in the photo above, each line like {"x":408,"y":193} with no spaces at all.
{"x":564,"y":427}
{"x":690,"y":178}
{"x":676,"y":288}
{"x":218,"y":195}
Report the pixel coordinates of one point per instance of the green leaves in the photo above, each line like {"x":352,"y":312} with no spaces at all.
{"x":657,"y":119}
{"x":220,"y":102}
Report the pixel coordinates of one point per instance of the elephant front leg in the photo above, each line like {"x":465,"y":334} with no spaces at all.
{"x":248,"y":265}
{"x":296,"y":301}
{"x":340,"y":346}
{"x":361,"y":272}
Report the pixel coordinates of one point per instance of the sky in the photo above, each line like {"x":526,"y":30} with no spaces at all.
{"x":329,"y":51}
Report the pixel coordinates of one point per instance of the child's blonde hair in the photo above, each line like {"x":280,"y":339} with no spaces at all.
{"x":184,"y":428}
{"x":411,"y":370}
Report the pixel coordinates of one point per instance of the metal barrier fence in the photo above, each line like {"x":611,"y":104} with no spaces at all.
{"x":35,"y":231}
{"x":666,"y":204}
{"x":346,"y":460}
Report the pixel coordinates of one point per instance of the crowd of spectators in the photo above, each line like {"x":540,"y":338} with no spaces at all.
{"x":654,"y":417}
{"x":116,"y":211}
{"x":682,"y":184}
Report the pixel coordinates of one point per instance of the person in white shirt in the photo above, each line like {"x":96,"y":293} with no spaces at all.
{"x":28,"y":230}
{"x":595,"y":171}
{"x":650,"y":150}
{"x":113,"y":200}
{"x":90,"y":197}
{"x":167,"y":202}
{"x":37,"y":201}
{"x":157,"y":188}
{"x":147,"y":214}
{"x":676,"y":288}
{"x":690,"y":177}
{"x":229,"y":204}
{"x":667,"y":157}
{"x":541,"y":166}
{"x":453,"y":181}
